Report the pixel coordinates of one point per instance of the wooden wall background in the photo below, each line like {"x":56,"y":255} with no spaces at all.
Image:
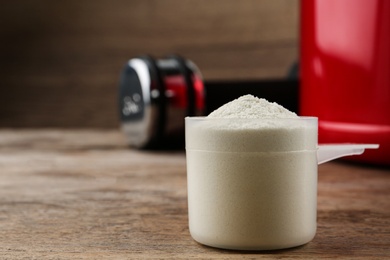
{"x":60,"y":60}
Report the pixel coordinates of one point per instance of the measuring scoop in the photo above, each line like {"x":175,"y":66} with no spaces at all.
{"x":328,"y":152}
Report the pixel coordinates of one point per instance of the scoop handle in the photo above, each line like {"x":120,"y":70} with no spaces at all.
{"x":328,"y":152}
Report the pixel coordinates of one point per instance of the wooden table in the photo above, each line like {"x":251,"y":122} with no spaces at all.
{"x":83,"y":194}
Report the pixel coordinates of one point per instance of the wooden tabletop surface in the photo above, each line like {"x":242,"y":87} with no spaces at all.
{"x":83,"y":194}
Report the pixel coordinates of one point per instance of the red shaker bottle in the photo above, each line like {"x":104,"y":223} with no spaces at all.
{"x":345,"y":72}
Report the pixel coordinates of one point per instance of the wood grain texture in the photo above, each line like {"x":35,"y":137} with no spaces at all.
{"x":60,"y":61}
{"x":82,"y":194}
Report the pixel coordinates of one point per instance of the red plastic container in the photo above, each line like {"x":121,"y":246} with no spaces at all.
{"x":345,"y":72}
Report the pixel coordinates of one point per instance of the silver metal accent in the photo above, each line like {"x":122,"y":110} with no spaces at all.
{"x":138,"y":133}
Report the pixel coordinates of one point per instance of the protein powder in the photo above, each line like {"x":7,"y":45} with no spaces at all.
{"x":252,"y":176}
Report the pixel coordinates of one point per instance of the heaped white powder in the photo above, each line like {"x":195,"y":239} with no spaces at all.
{"x":251,"y":124}
{"x":249,"y":106}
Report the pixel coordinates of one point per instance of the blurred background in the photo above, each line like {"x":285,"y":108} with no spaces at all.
{"x":60,"y":61}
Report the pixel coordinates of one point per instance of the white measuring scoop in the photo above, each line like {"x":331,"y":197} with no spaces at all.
{"x":328,"y":152}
